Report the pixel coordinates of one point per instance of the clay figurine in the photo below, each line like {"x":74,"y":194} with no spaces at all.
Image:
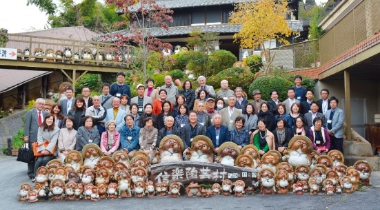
{"x":124,"y":184}
{"x":102,"y":176}
{"x":227,"y":153}
{"x":91,"y":154}
{"x":102,"y":190}
{"x":244,"y":161}
{"x":32,"y":196}
{"x":139,"y":189}
{"x":112,"y":190}
{"x":23,"y":192}
{"x":325,"y":160}
{"x":174,"y":189}
{"x":337,"y":157}
{"x":313,"y":185}
{"x":239,"y":188}
{"x":158,"y":189}
{"x":329,"y":187}
{"x":266,"y":178}
{"x":302,"y":173}
{"x":79,"y":191}
{"x":323,"y":170}
{"x":55,"y":162}
{"x":170,"y":150}
{"x":149,"y":188}
{"x":206,"y":193}
{"x":70,"y":190}
{"x":314,"y":156}
{"x":60,"y":173}
{"x":270,"y":160}
{"x":346,"y":184}
{"x":201,"y":149}
{"x":88,"y":175}
{"x":87,"y":191}
{"x":316,"y":173}
{"x":288,"y":168}
{"x":120,"y":156}
{"x":42,"y":191}
{"x":333,"y":176}
{"x":38,"y":53}
{"x":354,"y":176}
{"x":298,"y":188}
{"x":226,"y":187}
{"x":216,"y":189}
{"x":73,"y":176}
{"x":140,"y":160}
{"x":298,"y":152}
{"x":164,"y":188}
{"x":252,"y":151}
{"x":42,"y":176}
{"x":340,"y":170}
{"x":282,"y":182}
{"x":193,"y":189}
{"x":106,"y":162}
{"x":364,"y":170}
{"x":138,"y":174}
{"x":57,"y":189}
{"x":74,"y":159}
{"x":95,"y":194}
{"x":68,"y":169}
{"x":58,"y":56}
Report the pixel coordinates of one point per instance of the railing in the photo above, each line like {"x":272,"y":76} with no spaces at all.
{"x":47,"y":49}
{"x":296,"y":56}
{"x":358,"y":25}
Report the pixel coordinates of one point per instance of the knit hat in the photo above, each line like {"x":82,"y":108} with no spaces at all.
{"x":109,"y":122}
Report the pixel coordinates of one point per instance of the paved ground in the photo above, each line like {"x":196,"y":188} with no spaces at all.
{"x":13,"y":174}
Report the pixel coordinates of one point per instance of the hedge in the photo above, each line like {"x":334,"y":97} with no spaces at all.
{"x":236,"y":77}
{"x":267,"y":83}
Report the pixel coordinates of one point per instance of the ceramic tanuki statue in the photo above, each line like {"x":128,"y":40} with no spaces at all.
{"x":91,"y":154}
{"x":216,"y":189}
{"x":288,"y":168}
{"x":149,"y":188}
{"x":42,"y":176}
{"x":174,"y":189}
{"x":60,"y":173}
{"x":95,"y":194}
{"x":32,"y":196}
{"x":139,"y":174}
{"x":227,"y":153}
{"x":313,"y":185}
{"x":87,"y":191}
{"x":88,"y":175}
{"x":316,"y":173}
{"x":282,"y":182}
{"x":298,"y":152}
{"x":70,"y":190}
{"x":226,"y":187}
{"x":68,"y":169}
{"x":252,"y":151}
{"x":158,"y":189}
{"x":124,"y":184}
{"x":170,"y":150}
{"x":266,"y":177}
{"x":239,"y":188}
{"x":73,"y":176}
{"x":74,"y":159}
{"x":112,"y":190}
{"x":325,"y":160}
{"x":302,"y":173}
{"x":314,"y":156}
{"x":139,"y":189}
{"x":244,"y":161}
{"x":79,"y":191}
{"x":106,"y":162}
{"x":346,"y":184}
{"x":206,"y":193}
{"x":298,"y":188}
{"x":354,"y":176}
{"x":250,"y":190}
{"x":364,"y":170}
{"x":329,"y":187}
{"x":42,"y":191}
{"x":57,"y":189}
{"x":193,"y":189}
{"x":121,"y":156}
{"x":333,"y":176}
{"x":201,"y":149}
{"x":340,"y":170}
{"x":54,"y":163}
{"x":323,"y":170}
{"x":164,"y":188}
{"x":102,"y":176}
{"x":141,"y":160}
{"x":337,"y":157}
{"x":270,"y":160}
{"x":23,"y":192}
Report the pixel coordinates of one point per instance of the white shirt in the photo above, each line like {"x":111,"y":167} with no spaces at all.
{"x":313,"y":115}
{"x":231,"y":111}
{"x":68,"y":105}
{"x":291,"y":102}
{"x":325,"y":105}
{"x":86,"y":102}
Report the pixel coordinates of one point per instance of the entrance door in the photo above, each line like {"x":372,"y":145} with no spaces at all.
{"x":358,"y":114}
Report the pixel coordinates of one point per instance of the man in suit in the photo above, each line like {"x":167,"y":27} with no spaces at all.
{"x":324,"y":102}
{"x":86,"y":96}
{"x":203,"y":117}
{"x":120,"y":88}
{"x":33,"y":119}
{"x":171,"y":90}
{"x":117,"y":114}
{"x":97,"y":112}
{"x":140,"y":99}
{"x":273,"y":102}
{"x":191,"y":130}
{"x":202,"y":86}
{"x":300,"y":91}
{"x":230,"y":113}
{"x":67,"y":103}
{"x":309,"y":117}
{"x":305,"y":105}
{"x":257,"y":101}
{"x":106,"y":98}
{"x":168,"y":130}
{"x":241,"y":102}
{"x":218,"y":133}
{"x":334,"y":124}
{"x":290,"y":100}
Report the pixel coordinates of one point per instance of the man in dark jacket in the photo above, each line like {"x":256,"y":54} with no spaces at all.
{"x":120,"y":88}
{"x":305,"y":105}
{"x":191,"y":130}
{"x":218,"y":133}
{"x":273,"y":102}
{"x":168,"y":130}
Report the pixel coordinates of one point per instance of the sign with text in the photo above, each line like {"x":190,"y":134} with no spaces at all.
{"x":188,"y":171}
{"x":8,"y":53}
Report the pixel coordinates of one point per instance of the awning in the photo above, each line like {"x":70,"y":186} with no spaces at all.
{"x":10,"y":79}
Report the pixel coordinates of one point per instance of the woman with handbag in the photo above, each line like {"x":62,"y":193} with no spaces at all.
{"x":45,"y":147}
{"x":67,"y":138}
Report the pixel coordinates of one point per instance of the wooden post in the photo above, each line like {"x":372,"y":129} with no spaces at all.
{"x":347,"y":96}
{"x":23,"y":96}
{"x":74,"y":79}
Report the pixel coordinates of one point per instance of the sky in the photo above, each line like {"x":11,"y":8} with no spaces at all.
{"x":17,"y":17}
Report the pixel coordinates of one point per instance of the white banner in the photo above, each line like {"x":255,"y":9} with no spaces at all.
{"x":8,"y":53}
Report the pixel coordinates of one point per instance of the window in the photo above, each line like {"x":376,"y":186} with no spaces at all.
{"x":197,"y":17}
{"x":213,"y":16}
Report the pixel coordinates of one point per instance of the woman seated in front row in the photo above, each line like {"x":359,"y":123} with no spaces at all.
{"x":262,"y":138}
{"x":319,"y":136}
{"x":282,"y":135}
{"x":239,"y":135}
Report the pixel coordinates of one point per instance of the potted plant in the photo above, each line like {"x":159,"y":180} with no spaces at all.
{"x":18,"y":141}
{"x":3,"y":37}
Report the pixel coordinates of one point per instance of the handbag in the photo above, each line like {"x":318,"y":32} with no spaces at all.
{"x":25,"y":154}
{"x":35,"y":146}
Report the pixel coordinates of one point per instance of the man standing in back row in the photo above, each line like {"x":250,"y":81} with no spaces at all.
{"x":334,"y":124}
{"x":120,"y":88}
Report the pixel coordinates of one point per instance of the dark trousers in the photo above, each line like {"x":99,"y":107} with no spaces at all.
{"x":31,"y":165}
{"x":42,"y":161}
{"x":336,"y":143}
{"x":100,"y":128}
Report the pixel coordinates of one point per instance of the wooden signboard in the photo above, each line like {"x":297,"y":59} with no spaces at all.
{"x":188,"y":171}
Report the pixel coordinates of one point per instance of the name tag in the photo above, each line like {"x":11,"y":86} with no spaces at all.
{"x":328,"y":121}
{"x":140,"y":109}
{"x":182,"y":125}
{"x":90,"y":140}
{"x":202,"y":123}
{"x":225,"y":98}
{"x":118,"y":94}
{"x":129,"y":137}
{"x":191,"y":139}
{"x":299,"y":97}
{"x":217,"y":137}
{"x":318,"y":142}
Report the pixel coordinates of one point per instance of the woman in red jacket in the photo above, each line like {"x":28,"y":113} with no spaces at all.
{"x":110,"y":140}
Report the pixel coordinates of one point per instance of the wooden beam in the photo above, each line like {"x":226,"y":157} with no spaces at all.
{"x":63,"y":71}
{"x":74,"y":79}
{"x":81,"y":76}
{"x":347,"y":96}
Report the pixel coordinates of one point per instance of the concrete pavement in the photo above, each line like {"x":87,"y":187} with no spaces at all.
{"x":13,"y":174}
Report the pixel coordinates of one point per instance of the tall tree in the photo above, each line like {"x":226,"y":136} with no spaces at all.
{"x":145,"y":15}
{"x":261,"y":20}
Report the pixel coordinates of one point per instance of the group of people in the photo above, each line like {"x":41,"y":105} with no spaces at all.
{"x":115,"y":121}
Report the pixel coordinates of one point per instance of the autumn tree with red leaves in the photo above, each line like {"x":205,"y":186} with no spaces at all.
{"x":144,"y":15}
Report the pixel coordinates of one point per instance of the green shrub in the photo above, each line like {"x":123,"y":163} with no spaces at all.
{"x":90,"y":80}
{"x":159,"y":80}
{"x":18,"y":139}
{"x":183,"y":58}
{"x":254,"y":62}
{"x":267,"y":83}
{"x":219,"y":61}
{"x":307,"y":82}
{"x":236,"y":77}
{"x":176,"y":74}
